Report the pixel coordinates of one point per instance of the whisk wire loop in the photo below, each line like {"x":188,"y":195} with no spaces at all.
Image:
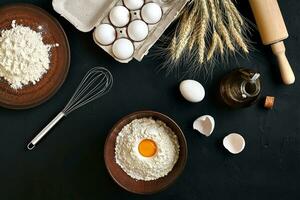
{"x":96,"y":83}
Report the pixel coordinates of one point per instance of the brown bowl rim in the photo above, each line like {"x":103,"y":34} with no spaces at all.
{"x":150,"y":112}
{"x":68,"y":49}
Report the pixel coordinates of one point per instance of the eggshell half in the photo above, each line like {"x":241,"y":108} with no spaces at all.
{"x":192,"y":91}
{"x":205,"y":125}
{"x":234,"y":143}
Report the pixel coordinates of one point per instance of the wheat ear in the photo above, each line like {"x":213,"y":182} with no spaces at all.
{"x":222,"y":30}
{"x":231,"y":10}
{"x":239,"y":39}
{"x":184,"y":33}
{"x":173,"y":47}
{"x":216,"y":40}
{"x":192,"y":41}
{"x":203,"y":30}
{"x":220,"y":44}
{"x":212,"y":7}
{"x":213,"y":46}
{"x":234,"y":15}
{"x":236,"y":34}
{"x":193,"y":36}
{"x":182,"y":36}
{"x":225,"y":35}
{"x":235,"y":12}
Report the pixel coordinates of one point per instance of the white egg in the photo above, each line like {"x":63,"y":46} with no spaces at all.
{"x":205,"y":125}
{"x":133,"y":4}
{"x":105,"y":34}
{"x":151,"y":13}
{"x":119,"y":16}
{"x":192,"y":91}
{"x":234,"y":143}
{"x":138,"y":30}
{"x":123,"y":49}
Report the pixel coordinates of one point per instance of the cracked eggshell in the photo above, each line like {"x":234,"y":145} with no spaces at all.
{"x":119,"y":16}
{"x":234,"y":143}
{"x":205,"y":125}
{"x":192,"y":91}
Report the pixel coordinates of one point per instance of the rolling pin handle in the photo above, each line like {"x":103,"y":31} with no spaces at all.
{"x":286,"y":71}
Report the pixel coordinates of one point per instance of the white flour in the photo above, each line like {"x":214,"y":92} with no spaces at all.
{"x":24,"y":58}
{"x":146,"y":168}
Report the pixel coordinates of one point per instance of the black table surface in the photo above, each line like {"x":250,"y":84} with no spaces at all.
{"x":69,"y":163}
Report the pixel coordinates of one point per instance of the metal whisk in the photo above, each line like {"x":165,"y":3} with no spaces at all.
{"x":96,"y":83}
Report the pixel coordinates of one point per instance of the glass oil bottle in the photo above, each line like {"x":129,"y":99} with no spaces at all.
{"x":240,"y":88}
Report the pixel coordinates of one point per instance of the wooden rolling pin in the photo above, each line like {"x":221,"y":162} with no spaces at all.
{"x":273,"y":31}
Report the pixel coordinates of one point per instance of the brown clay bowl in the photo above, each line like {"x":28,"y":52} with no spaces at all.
{"x":52,"y":32}
{"x":125,"y":181}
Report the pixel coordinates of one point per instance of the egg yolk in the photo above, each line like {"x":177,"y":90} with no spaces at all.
{"x":147,"y":148}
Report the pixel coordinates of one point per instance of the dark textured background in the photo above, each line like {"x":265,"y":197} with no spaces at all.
{"x":69,"y":163}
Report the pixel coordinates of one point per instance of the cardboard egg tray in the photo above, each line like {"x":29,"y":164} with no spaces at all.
{"x":86,"y":15}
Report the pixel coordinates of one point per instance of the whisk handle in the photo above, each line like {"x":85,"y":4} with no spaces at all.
{"x":37,"y":138}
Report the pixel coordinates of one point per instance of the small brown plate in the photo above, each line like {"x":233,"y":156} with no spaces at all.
{"x":125,"y":181}
{"x":38,"y":20}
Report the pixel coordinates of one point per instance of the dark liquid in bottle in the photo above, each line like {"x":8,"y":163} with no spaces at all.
{"x":239,"y":89}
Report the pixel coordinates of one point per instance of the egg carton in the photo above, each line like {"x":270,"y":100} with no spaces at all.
{"x":125,"y":29}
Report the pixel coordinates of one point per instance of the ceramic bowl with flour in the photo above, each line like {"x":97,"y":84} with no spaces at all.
{"x":145,"y":152}
{"x":34,"y":56}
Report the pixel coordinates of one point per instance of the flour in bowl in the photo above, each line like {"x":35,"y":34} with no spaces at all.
{"x":146,"y":149}
{"x":24,"y":58}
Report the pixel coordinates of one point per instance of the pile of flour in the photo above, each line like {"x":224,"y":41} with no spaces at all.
{"x":24,"y":58}
{"x":146,"y":168}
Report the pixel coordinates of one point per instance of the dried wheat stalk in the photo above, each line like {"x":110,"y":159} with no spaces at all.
{"x":203,"y":30}
{"x":211,"y":28}
{"x":188,"y":22}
